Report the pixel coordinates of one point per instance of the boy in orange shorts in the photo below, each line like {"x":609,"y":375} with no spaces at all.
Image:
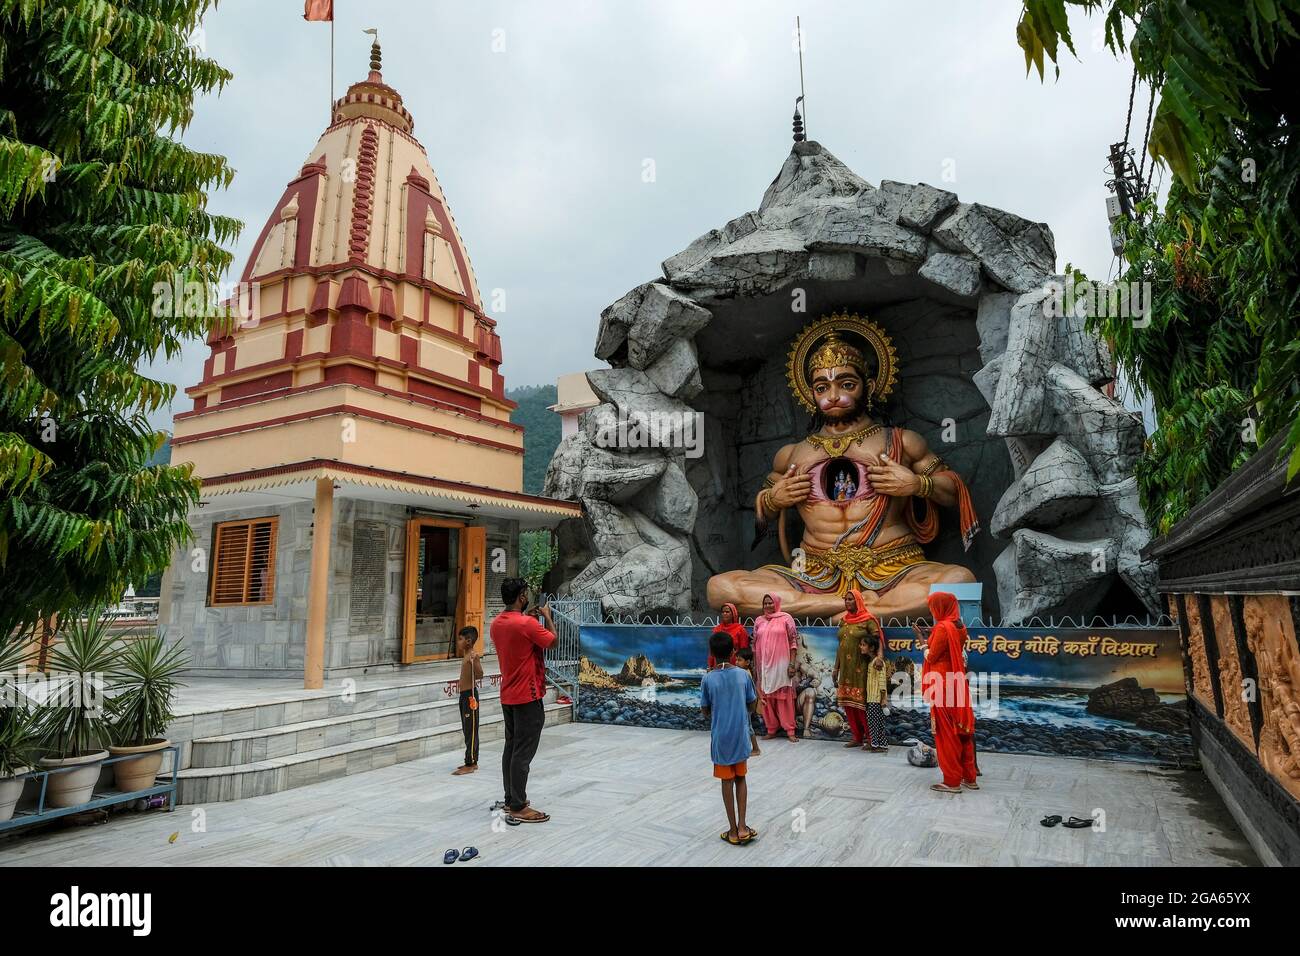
{"x":728,"y":698}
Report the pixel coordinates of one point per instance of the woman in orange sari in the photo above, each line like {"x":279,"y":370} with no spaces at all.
{"x":944,"y":688}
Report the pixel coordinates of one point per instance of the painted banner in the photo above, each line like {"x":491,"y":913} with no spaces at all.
{"x":1113,"y":692}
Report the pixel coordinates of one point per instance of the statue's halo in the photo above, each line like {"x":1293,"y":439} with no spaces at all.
{"x":848,"y":325}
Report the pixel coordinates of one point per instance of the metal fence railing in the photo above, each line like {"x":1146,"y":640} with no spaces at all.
{"x":709,"y":619}
{"x":563,"y":657}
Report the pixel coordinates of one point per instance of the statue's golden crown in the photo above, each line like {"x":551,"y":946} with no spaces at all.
{"x":836,"y":353}
{"x":825,"y":344}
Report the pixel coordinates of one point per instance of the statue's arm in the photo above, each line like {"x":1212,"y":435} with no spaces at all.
{"x":923,"y":462}
{"x":783,"y":487}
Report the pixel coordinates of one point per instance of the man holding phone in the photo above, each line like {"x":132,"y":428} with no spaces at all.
{"x":521,"y":640}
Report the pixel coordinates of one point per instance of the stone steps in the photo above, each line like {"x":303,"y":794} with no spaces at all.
{"x":290,"y":707}
{"x":273,"y":774}
{"x":269,"y":743}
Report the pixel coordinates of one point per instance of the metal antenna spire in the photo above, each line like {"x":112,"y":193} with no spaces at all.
{"x":798,"y":29}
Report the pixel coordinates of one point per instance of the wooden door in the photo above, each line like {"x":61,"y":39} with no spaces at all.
{"x":472,"y":605}
{"x":469,"y":583}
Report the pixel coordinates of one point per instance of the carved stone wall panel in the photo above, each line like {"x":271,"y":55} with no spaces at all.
{"x":1196,"y":653}
{"x":1173,"y":607}
{"x":1271,"y":634}
{"x":1235,"y":712}
{"x":1249,"y":666}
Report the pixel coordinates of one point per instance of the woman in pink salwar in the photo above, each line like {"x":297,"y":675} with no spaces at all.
{"x":776,"y":642}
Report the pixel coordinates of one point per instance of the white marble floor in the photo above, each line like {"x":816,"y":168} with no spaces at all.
{"x":631,"y":796}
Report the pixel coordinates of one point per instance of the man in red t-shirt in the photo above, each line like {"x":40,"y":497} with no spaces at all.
{"x":520,"y":640}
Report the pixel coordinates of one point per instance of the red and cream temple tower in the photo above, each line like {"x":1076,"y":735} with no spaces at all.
{"x":362,"y":481}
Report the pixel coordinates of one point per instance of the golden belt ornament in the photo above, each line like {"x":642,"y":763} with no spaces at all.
{"x":853,"y":561}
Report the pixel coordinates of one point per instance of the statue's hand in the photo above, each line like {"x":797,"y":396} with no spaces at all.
{"x":891,"y":478}
{"x":791,"y":489}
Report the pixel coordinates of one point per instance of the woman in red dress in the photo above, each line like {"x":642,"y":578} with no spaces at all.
{"x":729,"y":624}
{"x":944,"y":688}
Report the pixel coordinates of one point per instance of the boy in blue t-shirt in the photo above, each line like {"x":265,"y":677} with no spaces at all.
{"x":727,"y":697}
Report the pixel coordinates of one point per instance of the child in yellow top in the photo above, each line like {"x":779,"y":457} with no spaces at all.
{"x":876,"y":697}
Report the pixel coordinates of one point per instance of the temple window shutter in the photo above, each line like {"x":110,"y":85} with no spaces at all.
{"x":243,"y":562}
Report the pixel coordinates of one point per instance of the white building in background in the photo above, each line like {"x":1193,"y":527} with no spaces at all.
{"x":573,"y":397}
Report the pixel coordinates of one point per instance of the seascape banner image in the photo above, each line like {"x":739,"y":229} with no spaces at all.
{"x":1111,"y":692}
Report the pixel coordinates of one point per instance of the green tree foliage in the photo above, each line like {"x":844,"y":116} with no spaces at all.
{"x":537,"y":555}
{"x":541,"y":430}
{"x":1223,"y":345}
{"x":98,"y":204}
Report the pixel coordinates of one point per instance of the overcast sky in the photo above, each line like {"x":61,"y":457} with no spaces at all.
{"x":540,"y":146}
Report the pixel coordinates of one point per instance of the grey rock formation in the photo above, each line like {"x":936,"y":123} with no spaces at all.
{"x":1057,"y":486}
{"x":648,"y":319}
{"x":1016,"y":253}
{"x":672,"y":502}
{"x":1108,"y":434}
{"x":676,"y":372}
{"x":1040,"y":575}
{"x":924,"y":205}
{"x":965,"y":291}
{"x":993,"y":322}
{"x":956,"y":273}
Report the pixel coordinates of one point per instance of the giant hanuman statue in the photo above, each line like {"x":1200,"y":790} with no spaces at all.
{"x":956,"y":351}
{"x":853,"y":481}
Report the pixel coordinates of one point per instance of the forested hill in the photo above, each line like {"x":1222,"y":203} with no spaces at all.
{"x":541,"y":430}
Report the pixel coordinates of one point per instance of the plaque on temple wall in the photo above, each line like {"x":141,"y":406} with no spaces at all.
{"x":369,"y":564}
{"x":1236,"y":713}
{"x":1271,"y":635}
{"x":1196,"y":652}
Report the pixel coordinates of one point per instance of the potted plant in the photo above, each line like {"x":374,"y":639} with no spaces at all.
{"x":19,"y":742}
{"x":74,"y":720}
{"x":18,"y":732}
{"x":142,"y":709}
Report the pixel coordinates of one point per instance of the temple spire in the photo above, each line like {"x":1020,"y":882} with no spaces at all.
{"x":376,"y":57}
{"x":372,"y":97}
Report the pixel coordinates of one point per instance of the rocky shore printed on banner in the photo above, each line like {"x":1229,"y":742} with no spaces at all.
{"x":992,"y":735}
{"x":1031,"y":711}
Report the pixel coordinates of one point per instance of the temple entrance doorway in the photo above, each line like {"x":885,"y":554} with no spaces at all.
{"x":444,"y":587}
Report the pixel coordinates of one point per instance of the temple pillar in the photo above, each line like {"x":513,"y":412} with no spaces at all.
{"x":318,"y":586}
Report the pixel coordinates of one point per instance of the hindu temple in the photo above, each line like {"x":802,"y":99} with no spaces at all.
{"x":362,"y":480}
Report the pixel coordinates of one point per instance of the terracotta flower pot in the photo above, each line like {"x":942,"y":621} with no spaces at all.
{"x":140,"y":773}
{"x":11,"y":788}
{"x":75,"y":787}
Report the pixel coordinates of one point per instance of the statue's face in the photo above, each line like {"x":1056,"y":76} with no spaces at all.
{"x":838,"y":392}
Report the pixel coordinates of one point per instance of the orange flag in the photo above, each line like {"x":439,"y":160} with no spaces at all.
{"x":318,"y":10}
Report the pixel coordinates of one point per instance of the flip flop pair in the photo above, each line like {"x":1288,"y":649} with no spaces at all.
{"x":1074,"y":823}
{"x":464,"y":856}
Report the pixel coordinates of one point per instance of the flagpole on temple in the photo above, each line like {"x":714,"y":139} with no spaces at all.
{"x":331,"y":111}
